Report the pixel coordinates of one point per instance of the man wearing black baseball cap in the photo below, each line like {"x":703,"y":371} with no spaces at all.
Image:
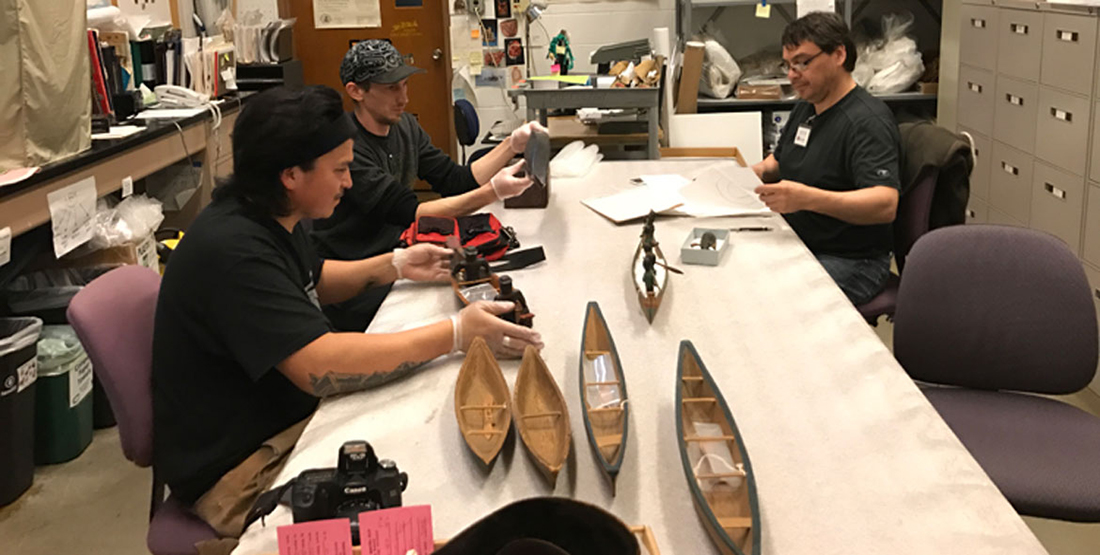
{"x":392,"y":151}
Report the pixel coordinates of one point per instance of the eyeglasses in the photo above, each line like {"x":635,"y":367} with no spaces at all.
{"x":800,"y":67}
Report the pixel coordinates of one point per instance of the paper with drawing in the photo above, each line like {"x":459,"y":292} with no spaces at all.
{"x":72,"y":215}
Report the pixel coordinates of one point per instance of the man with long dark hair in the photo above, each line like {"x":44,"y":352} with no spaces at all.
{"x":834,"y":173}
{"x":241,"y":349}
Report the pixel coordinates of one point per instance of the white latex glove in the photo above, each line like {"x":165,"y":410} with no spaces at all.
{"x":423,"y":262}
{"x":504,"y":338}
{"x":507,"y":185}
{"x":523,"y":133}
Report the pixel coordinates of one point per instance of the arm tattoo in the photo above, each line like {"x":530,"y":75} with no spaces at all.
{"x":335,"y":383}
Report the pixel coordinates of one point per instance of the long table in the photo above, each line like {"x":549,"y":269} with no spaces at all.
{"x":848,"y":455}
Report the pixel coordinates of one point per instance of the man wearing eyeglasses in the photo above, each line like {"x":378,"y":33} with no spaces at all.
{"x":834,"y":172}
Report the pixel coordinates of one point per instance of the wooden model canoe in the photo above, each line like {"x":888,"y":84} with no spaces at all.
{"x":603,"y":394}
{"x":646,"y":541}
{"x":714,"y":459}
{"x":542,"y":417}
{"x":650,"y":301}
{"x":482,"y":403}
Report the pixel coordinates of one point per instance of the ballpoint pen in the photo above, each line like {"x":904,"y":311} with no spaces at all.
{"x":751,"y":228}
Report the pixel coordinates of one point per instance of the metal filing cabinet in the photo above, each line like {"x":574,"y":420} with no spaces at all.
{"x":1014,"y":115}
{"x":1094,"y":157}
{"x":1090,"y":247}
{"x":1069,"y":44}
{"x":979,"y":179}
{"x":1019,"y":43}
{"x":976,"y":90}
{"x":977,"y":212}
{"x":1042,"y":167}
{"x":978,"y":40}
{"x":1010,"y":182}
{"x":1062,"y":129}
{"x":1056,"y":200}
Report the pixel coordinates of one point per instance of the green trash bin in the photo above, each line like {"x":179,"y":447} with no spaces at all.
{"x":63,"y":404}
{"x":18,"y":372}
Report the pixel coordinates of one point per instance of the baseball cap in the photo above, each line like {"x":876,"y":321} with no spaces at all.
{"x":374,"y":61}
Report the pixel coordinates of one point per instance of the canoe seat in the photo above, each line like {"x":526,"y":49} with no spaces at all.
{"x":740,"y":522}
{"x":710,"y":439}
{"x":482,"y":407}
{"x":608,"y":441}
{"x":542,"y":414}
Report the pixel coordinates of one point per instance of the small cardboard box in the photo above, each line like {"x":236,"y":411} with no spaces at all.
{"x":690,"y":253}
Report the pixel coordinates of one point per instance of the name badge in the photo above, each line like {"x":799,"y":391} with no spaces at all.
{"x":802,"y":136}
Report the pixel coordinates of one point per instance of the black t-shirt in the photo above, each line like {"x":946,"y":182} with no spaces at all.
{"x":381,"y":204}
{"x":852,"y":145}
{"x":238,"y":297}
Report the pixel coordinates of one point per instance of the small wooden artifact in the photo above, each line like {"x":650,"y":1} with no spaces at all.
{"x":482,"y":402}
{"x":603,"y":394}
{"x":714,"y":459}
{"x":542,"y":417}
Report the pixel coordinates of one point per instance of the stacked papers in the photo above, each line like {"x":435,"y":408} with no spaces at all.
{"x":721,"y":189}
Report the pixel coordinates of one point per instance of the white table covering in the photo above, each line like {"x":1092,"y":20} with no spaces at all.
{"x":849,"y":457}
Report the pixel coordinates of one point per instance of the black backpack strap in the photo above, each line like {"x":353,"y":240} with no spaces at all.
{"x":515,"y":260}
{"x":268,"y":501}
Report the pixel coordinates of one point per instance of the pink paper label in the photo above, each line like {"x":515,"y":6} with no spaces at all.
{"x":395,"y":531}
{"x":322,"y":537}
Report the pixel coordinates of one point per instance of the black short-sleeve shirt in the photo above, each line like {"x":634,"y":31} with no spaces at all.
{"x":852,"y":145}
{"x":381,"y":203}
{"x":238,"y":297}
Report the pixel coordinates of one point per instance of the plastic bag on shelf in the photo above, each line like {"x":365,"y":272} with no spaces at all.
{"x":892,"y":64}
{"x":135,"y":217}
{"x":575,"y":160}
{"x":720,"y":70}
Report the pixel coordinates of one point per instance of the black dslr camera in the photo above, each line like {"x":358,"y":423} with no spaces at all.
{"x":359,"y":483}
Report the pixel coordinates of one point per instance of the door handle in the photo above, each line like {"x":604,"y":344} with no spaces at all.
{"x":437,"y":54}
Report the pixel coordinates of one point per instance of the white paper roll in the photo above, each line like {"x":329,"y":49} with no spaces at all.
{"x":660,"y":42}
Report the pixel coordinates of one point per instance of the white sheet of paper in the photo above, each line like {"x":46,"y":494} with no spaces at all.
{"x":169,"y":113}
{"x":80,"y":382}
{"x":807,"y":6}
{"x":634,"y":203}
{"x":117,"y":132}
{"x":5,"y":245}
{"x":72,"y":215}
{"x":346,"y":14}
{"x":723,"y":189}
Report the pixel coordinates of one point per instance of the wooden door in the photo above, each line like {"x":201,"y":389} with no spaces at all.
{"x":418,"y":28}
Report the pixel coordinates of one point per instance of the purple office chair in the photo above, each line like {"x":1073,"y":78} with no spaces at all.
{"x":912,"y":221}
{"x":1000,"y":312}
{"x":113,"y":317}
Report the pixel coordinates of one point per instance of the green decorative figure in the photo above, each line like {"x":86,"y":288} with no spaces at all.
{"x":561,"y":53}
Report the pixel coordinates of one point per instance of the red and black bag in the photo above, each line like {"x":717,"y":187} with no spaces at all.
{"x":481,"y":231}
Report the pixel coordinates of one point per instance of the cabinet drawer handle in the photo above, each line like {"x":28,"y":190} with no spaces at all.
{"x":1058,"y":193}
{"x":1061,"y":114}
{"x":971,"y":214}
{"x":977,"y":153}
{"x":1067,"y":36}
{"x":974,"y":87}
{"x":1018,"y":28}
{"x":1014,"y":100}
{"x":977,"y":23}
{"x":1010,"y":169}
{"x":1097,"y":291}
